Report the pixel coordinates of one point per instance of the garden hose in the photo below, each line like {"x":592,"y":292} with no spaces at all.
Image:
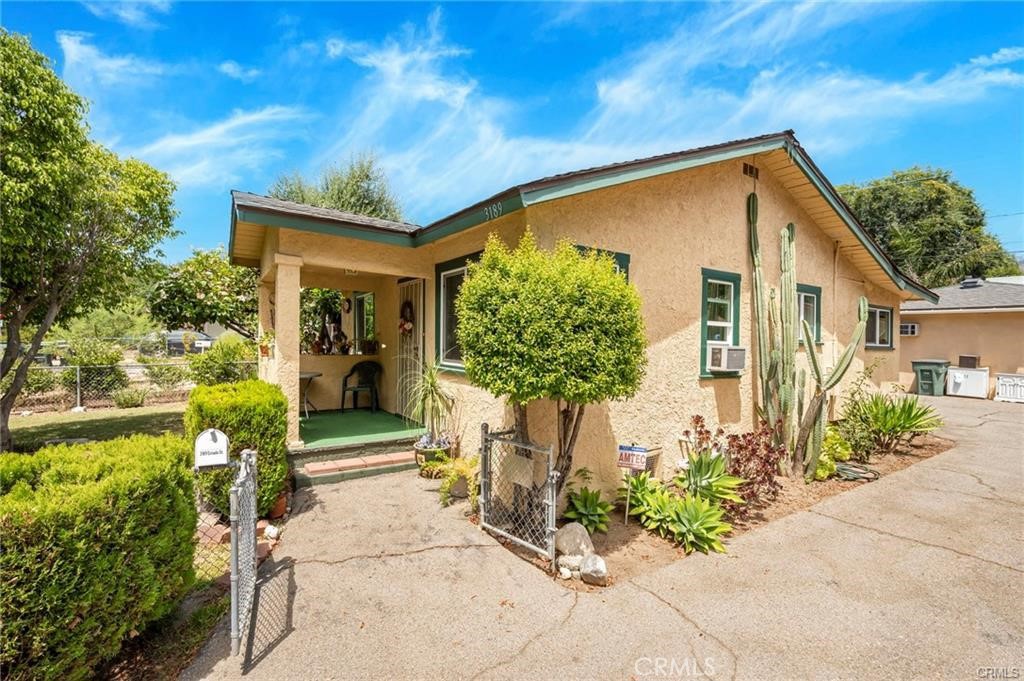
{"x":855,"y":471}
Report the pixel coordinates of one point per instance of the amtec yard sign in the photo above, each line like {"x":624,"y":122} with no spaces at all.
{"x":633,"y":457}
{"x":211,"y":449}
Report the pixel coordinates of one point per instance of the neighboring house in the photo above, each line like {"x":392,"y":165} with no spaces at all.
{"x":676,"y":225}
{"x":977,"y":317}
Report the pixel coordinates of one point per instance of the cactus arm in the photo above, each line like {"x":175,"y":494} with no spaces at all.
{"x":843,"y":364}
{"x":813,"y":454}
{"x":812,"y":356}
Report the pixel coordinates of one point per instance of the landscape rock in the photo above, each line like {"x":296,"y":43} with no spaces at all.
{"x":569,"y":562}
{"x":575,"y":574}
{"x":594,"y":570}
{"x":573,"y":540}
{"x":261,"y":527}
{"x":565,"y":573}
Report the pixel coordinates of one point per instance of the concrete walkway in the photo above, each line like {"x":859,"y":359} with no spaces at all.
{"x":918,"y":575}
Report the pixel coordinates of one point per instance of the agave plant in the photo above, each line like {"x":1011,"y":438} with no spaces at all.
{"x":587,"y":508}
{"x":697,"y":524}
{"x":637,"y":489}
{"x":705,"y":476}
{"x":893,"y":420}
{"x":658,"y":511}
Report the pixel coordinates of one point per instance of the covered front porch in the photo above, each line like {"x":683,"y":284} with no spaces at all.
{"x":336,"y":429}
{"x":336,"y":312}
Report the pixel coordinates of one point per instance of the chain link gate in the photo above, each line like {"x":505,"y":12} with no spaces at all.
{"x":517,"y":491}
{"x":243,"y":547}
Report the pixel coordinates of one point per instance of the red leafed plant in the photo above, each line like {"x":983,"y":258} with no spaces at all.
{"x":754,"y":457}
{"x":701,"y":439}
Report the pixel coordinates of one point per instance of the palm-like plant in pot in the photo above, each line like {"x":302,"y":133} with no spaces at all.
{"x":430,"y":403}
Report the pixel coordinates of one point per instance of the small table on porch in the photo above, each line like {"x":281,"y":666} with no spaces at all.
{"x":305,"y":378}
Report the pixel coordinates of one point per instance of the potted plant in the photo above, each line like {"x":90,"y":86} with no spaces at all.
{"x":266,"y":343}
{"x":459,"y":477}
{"x":430,"y":403}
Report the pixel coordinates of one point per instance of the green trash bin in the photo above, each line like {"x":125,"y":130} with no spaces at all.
{"x":931,"y":376}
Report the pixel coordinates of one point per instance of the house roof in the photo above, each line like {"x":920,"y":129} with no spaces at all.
{"x":972,"y":294}
{"x":248,"y":201}
{"x":780,"y":151}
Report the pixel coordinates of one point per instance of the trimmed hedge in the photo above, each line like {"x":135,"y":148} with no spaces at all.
{"x":97,"y":543}
{"x":253,"y":414}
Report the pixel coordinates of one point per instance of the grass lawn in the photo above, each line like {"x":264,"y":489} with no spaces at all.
{"x":30,"y":432}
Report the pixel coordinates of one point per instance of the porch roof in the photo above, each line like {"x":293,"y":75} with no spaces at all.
{"x":780,"y":152}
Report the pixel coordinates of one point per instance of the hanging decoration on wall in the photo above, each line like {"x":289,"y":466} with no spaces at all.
{"x":407,"y":320}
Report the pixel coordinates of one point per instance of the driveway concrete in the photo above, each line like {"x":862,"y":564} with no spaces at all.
{"x":917,"y":575}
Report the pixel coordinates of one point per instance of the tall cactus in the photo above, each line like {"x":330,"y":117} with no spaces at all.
{"x":783,"y":386}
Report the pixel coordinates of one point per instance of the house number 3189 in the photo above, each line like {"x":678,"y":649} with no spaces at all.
{"x":492,"y":211}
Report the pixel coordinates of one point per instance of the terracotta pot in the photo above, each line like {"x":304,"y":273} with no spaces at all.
{"x":279,"y":507}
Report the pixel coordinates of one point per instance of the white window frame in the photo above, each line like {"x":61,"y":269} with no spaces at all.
{"x":800,"y":295}
{"x":874,"y":315}
{"x":444,"y":276}
{"x":729,"y":314}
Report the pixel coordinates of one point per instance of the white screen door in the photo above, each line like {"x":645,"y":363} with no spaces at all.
{"x":410,"y":342}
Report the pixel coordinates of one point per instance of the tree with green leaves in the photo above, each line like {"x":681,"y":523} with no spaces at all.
{"x":206,"y":288}
{"x":560,"y":325}
{"x":360,"y":187}
{"x":931,"y":225}
{"x":79,"y":223}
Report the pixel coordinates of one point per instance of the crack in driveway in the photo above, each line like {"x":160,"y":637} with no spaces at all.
{"x":394,"y":554}
{"x":915,"y":540}
{"x":530,"y":641}
{"x":692,"y":623}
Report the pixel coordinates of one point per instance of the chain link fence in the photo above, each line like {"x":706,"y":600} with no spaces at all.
{"x":243,"y":548}
{"x":517,"y":491}
{"x":58,"y":388}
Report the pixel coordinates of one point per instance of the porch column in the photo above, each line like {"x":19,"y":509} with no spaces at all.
{"x":286,"y":337}
{"x":265,"y":324}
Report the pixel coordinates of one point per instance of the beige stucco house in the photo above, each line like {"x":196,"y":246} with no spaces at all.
{"x":676,"y":225}
{"x":977,"y":317}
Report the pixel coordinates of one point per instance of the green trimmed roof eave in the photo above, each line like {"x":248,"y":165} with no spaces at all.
{"x":561,"y":186}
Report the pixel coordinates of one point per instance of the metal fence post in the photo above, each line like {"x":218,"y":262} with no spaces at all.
{"x":236,"y":637}
{"x":485,"y":472}
{"x":552,"y":502}
{"x":78,"y":387}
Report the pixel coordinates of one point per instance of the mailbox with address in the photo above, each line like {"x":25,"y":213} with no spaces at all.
{"x":211,"y":449}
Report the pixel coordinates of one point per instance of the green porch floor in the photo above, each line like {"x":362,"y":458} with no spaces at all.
{"x":333,"y":428}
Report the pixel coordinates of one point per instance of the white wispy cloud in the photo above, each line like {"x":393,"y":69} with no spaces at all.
{"x":232,"y":69}
{"x":445,"y":141}
{"x":134,"y":13}
{"x":85,"y":65}
{"x":217,"y":154}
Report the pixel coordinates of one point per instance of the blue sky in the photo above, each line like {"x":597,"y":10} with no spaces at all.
{"x":459,"y":101}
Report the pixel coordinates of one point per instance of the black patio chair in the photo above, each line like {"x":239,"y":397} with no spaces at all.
{"x":366,"y":382}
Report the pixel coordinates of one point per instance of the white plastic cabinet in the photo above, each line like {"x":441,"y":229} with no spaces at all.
{"x":967,"y":382}
{"x":1010,"y":387}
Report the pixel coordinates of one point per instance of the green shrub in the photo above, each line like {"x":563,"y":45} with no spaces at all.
{"x":896,"y":419}
{"x":231,"y":359}
{"x":165,"y":374}
{"x":37,"y":382}
{"x":833,"y":448}
{"x":127,"y":398}
{"x":97,"y":543}
{"x":853,"y":423}
{"x":637,"y":488}
{"x":705,"y":476}
{"x":587,"y":508}
{"x":253,"y":415}
{"x":98,"y":360}
{"x":696,"y":524}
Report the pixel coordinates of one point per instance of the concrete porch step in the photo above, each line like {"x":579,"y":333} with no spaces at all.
{"x":325,"y":472}
{"x":297,"y":458}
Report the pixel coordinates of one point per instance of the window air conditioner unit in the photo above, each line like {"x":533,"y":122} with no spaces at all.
{"x":723,"y":357}
{"x":909,"y":329}
{"x":969,"y":362}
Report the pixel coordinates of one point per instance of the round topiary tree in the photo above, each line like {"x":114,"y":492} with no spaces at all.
{"x":562,"y":325}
